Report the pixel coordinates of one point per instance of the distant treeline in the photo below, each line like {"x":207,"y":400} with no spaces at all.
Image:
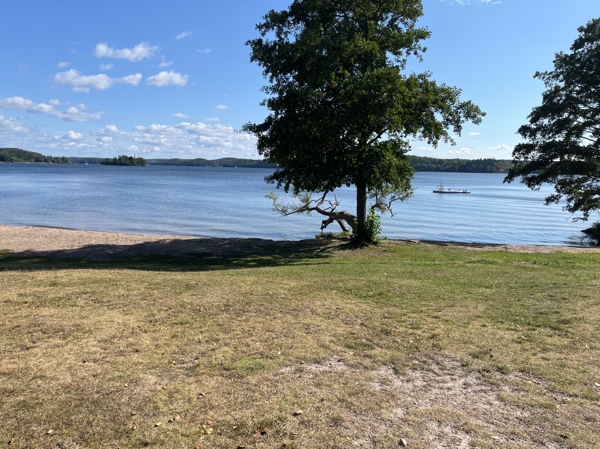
{"x":17,"y":155}
{"x":86,"y":160}
{"x":125,"y":160}
{"x":224,"y":162}
{"x":421,"y":163}
{"x":432,"y":164}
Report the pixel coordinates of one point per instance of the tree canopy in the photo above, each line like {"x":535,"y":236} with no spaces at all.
{"x":18,"y":155}
{"x":125,"y":160}
{"x":563,"y":134}
{"x":341,"y":110}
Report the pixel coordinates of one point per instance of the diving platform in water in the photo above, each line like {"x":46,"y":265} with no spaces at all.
{"x":441,"y":189}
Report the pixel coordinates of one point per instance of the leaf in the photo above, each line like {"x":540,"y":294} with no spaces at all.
{"x":298,"y":412}
{"x":176,"y":418}
{"x":50,"y":432}
{"x":12,"y":441}
{"x":158,"y":424}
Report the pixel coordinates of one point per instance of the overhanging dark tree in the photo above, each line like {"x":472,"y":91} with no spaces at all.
{"x":563,"y":134}
{"x":341,"y":110}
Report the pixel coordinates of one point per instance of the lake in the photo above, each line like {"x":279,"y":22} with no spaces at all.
{"x":230,"y":202}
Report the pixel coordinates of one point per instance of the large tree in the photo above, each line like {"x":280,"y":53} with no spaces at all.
{"x":341,"y":110}
{"x":563,"y":134}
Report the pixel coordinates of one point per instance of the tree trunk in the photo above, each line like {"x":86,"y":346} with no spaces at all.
{"x":361,"y":211}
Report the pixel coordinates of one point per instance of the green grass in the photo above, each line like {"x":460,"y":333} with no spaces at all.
{"x":238,"y":344}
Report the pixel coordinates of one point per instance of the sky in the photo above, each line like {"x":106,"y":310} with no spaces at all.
{"x":174,"y":80}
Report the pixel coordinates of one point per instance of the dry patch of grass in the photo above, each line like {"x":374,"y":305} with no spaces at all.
{"x":439,"y":346}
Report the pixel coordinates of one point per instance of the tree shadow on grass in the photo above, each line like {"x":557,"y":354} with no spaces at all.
{"x":206,"y":254}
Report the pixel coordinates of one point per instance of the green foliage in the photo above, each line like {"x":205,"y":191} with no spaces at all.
{"x":17,"y":155}
{"x":372,"y":229}
{"x":223,"y":162}
{"x":332,"y":235}
{"x":593,"y":233}
{"x":563,"y":134}
{"x":430,"y":164}
{"x":125,"y":160}
{"x":341,"y":111}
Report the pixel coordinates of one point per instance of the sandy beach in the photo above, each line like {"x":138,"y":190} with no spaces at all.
{"x":27,"y":241}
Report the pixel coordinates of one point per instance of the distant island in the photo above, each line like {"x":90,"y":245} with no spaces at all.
{"x":420,"y":163}
{"x":16,"y":155}
{"x":130,"y":161}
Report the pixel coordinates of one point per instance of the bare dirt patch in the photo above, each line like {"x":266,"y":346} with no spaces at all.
{"x":440,"y":405}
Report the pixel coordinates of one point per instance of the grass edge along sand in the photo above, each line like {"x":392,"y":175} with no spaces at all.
{"x":306,"y":345}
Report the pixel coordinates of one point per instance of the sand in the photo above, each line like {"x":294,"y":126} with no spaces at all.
{"x":28,"y":241}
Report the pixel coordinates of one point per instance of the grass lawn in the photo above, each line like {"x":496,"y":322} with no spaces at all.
{"x":315,"y":345}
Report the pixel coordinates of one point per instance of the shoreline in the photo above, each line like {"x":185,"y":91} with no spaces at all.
{"x":57,"y":242}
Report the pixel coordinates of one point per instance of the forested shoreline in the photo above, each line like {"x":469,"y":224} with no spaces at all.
{"x":16,"y":155}
{"x":431,"y":164}
{"x":223,"y":162}
{"x":420,"y":163}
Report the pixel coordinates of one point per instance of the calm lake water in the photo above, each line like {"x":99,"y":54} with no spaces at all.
{"x":230,"y":202}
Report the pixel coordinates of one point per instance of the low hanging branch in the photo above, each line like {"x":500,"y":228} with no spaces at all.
{"x":382,"y":198}
{"x":308,"y":205}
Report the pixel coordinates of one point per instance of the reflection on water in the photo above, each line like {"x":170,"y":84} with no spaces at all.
{"x":230,"y":202}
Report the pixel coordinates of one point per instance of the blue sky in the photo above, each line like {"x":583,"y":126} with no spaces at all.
{"x":163,"y":79}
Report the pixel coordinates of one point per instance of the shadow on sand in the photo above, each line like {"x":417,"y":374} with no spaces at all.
{"x":203,"y":254}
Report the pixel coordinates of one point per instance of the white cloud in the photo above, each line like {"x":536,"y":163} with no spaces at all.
{"x":83,"y":83}
{"x":54,"y":102}
{"x":180,"y":115}
{"x":62,"y":64}
{"x":164,"y":62}
{"x":21,"y":69}
{"x":168,"y":79}
{"x":211,"y":119}
{"x":106,"y":66}
{"x":72,"y":114}
{"x":424,"y":149}
{"x":185,"y":140}
{"x":72,"y":135}
{"x":507,"y":149}
{"x":135,"y":54}
{"x":205,"y":51}
{"x":474,"y":134}
{"x":221,"y":106}
{"x":112,"y":130}
{"x":158,"y":129}
{"x":461,"y":151}
{"x":184,"y":34}
{"x":10,"y":125}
